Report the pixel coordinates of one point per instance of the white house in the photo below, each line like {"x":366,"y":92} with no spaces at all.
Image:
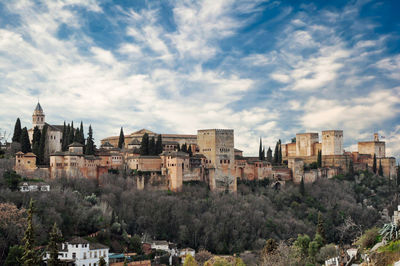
{"x":31,"y":187}
{"x":81,"y":252}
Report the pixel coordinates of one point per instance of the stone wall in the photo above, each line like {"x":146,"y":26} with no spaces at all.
{"x":332,"y":142}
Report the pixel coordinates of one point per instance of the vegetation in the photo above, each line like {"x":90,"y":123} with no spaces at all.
{"x":42,"y":146}
{"x":30,"y":256}
{"x":121,"y":139}
{"x":17,"y":131}
{"x":90,"y":147}
{"x":25,"y":143}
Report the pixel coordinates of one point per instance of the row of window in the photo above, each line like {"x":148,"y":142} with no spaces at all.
{"x":207,"y":149}
{"x":224,"y":150}
{"x":224,"y":161}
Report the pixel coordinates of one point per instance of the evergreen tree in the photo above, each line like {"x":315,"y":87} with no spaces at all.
{"x":178,"y":148}
{"x":263,"y":154}
{"x":25,"y":143}
{"x":89,"y":150}
{"x":64,"y":134}
{"x":121,"y":140}
{"x":159,"y":148}
{"x":144,"y":146}
{"x":190,"y":151}
{"x":152,"y":146}
{"x":279,"y":152}
{"x":71,"y":134}
{"x":320,"y":226}
{"x":14,"y":256}
{"x":374,"y":164}
{"x":260,"y":150}
{"x":77,"y":135}
{"x":276,"y":156}
{"x":30,"y":256}
{"x":17,"y":131}
{"x":36,"y":140}
{"x":319,"y":159}
{"x":380,"y":171}
{"x":42,"y":146}
{"x":269,"y":155}
{"x":66,"y":138}
{"x":52,"y":247}
{"x":184,"y":148}
{"x":81,"y":135}
{"x":302,"y":187}
{"x":102,"y":262}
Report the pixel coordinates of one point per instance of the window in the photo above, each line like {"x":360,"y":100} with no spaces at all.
{"x":95,"y":254}
{"x":84,"y":255}
{"x":74,"y":255}
{"x":29,"y":161}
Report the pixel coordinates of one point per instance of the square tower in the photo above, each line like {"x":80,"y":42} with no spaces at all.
{"x":217,"y":145}
{"x":305,"y":143}
{"x":332,"y":142}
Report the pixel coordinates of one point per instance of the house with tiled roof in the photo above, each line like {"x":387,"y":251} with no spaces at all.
{"x":80,"y":252}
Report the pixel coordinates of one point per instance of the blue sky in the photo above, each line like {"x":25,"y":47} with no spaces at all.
{"x":266,"y":69}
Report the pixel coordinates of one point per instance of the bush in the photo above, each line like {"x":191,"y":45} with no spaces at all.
{"x":369,"y":238}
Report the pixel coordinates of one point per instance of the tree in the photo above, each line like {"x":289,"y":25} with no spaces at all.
{"x":52,"y":246}
{"x":36,"y":141}
{"x":190,"y":151}
{"x":71,"y":134}
{"x":144,"y":145}
{"x":380,"y":171}
{"x":42,"y":146}
{"x":12,"y":179}
{"x":102,"y":262}
{"x":152,"y":146}
{"x":17,"y":131}
{"x":269,"y":155}
{"x":159,"y":148}
{"x":302,"y":188}
{"x":276,"y":156}
{"x":260,"y":150}
{"x":64,"y":134}
{"x":184,"y":147}
{"x":263,"y":154}
{"x":374,"y":164}
{"x":320,"y":226}
{"x":319,"y":159}
{"x":190,"y":261}
{"x":66,"y":137}
{"x":25,"y":143}
{"x":14,"y":256}
{"x":351,"y":169}
{"x":270,"y":246}
{"x":294,"y":140}
{"x":81,"y":135}
{"x":30,"y":256}
{"x":90,"y":142}
{"x":121,"y":140}
{"x":302,"y":243}
{"x":279,"y":152}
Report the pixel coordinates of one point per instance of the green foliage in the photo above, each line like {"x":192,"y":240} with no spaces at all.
{"x":390,"y":231}
{"x":52,"y":248}
{"x":36,"y":140}
{"x":159,"y":148}
{"x":260,"y":150}
{"x":30,"y":256}
{"x":374,"y":164}
{"x":71,"y":134}
{"x":393,"y":246}
{"x":12,"y":179}
{"x":144,"y":145}
{"x":42,"y":146}
{"x":90,"y":148}
{"x":190,"y":261}
{"x":14,"y":256}
{"x":369,"y":238}
{"x":25,"y":143}
{"x":184,"y":147}
{"x":302,"y":188}
{"x":380,"y":171}
{"x":136,"y":244}
{"x":320,"y":226}
{"x":270,"y":246}
{"x":152,"y":146}
{"x":102,"y":262}
{"x":302,"y":244}
{"x":269,"y":155}
{"x":293,"y":140}
{"x":17,"y":131}
{"x":121,"y":139}
{"x":319,"y":159}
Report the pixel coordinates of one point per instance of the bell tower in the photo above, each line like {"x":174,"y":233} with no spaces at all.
{"x":38,"y":117}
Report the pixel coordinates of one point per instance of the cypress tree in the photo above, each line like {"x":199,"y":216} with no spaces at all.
{"x":89,"y":150}
{"x":25,"y":143}
{"x":81,"y":135}
{"x":269,"y":155}
{"x":71,"y":134}
{"x":30,"y":257}
{"x":374,"y":164}
{"x":380,"y":171}
{"x":64,"y":137}
{"x":276,"y":156}
{"x":260,"y":150}
{"x":36,"y":140}
{"x":178,"y":148}
{"x":121,"y":140}
{"x":279,"y":152}
{"x":351,"y":168}
{"x":14,"y":256}
{"x":42,"y":146}
{"x":263,"y":154}
{"x":302,"y":187}
{"x":52,"y":247}
{"x":152,"y":146}
{"x":184,"y":148}
{"x":190,"y":151}
{"x":144,"y":146}
{"x":17,"y":131}
{"x":159,"y":148}
{"x":319,"y":159}
{"x":77,"y":135}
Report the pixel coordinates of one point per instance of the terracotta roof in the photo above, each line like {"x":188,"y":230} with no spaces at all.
{"x":75,"y":144}
{"x":29,"y":154}
{"x":135,"y":142}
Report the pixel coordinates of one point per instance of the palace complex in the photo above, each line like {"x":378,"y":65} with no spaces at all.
{"x":212,"y":159}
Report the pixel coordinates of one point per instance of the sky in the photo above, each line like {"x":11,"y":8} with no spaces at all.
{"x":266,"y":69}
